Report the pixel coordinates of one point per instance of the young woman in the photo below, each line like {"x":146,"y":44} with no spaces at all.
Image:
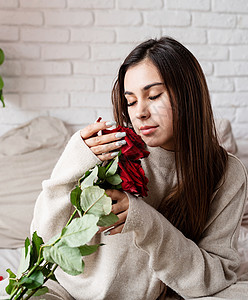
{"x":181,"y":239}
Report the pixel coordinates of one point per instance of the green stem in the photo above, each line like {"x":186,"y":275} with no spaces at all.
{"x":48,"y":276}
{"x":72,"y":216}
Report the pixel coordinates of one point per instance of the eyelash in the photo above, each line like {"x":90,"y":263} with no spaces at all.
{"x":150,"y":98}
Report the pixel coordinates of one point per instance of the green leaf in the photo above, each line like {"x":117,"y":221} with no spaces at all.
{"x":1,"y":56}
{"x":89,"y":249}
{"x":101,"y":172}
{"x":95,"y":201}
{"x":69,"y":259}
{"x":40,"y":292}
{"x":75,"y":199}
{"x":1,"y":83}
{"x":35,"y":280}
{"x":113,"y":167}
{"x":25,"y":258}
{"x":12,"y":283}
{"x":80,"y":231}
{"x":115,"y":179}
{"x":37,"y":241}
{"x":91,"y":179}
{"x":108,"y":220}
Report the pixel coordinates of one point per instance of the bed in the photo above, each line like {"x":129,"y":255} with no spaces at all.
{"x":27,"y":156}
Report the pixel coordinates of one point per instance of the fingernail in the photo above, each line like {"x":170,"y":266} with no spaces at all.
{"x":114,"y":154}
{"x":110,"y":123}
{"x":120,"y":143}
{"x":120,"y":134}
{"x":106,"y":233}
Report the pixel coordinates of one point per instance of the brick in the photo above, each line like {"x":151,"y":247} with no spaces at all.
{"x":10,"y":68}
{"x":59,"y":84}
{"x":229,"y":68}
{"x":118,"y":18}
{"x":189,"y":4}
{"x":113,"y":52}
{"x":215,"y":20}
{"x":9,"y":3}
{"x":9,"y":33}
{"x":46,"y":68}
{"x":68,"y":18}
{"x":74,"y":115}
{"x":187,"y":35}
{"x":105,"y":113}
{"x":228,"y":36}
{"x":18,"y":116}
{"x":243,"y":21}
{"x":230,"y":6}
{"x":94,"y":4}
{"x":167,"y":18}
{"x":18,"y":51}
{"x":20,"y":18}
{"x":224,"y":113}
{"x":104,"y":83}
{"x":90,"y":99}
{"x":239,"y":52}
{"x":207,"y":68}
{"x":242,"y":85}
{"x":11,"y":100}
{"x":140,"y":4}
{"x":242,"y":113}
{"x":230,"y":99}
{"x":92,"y":35}
{"x":137,"y":34}
{"x":91,"y":68}
{"x":220,"y":84}
{"x":209,"y":52}
{"x":16,"y":84}
{"x":44,"y":35}
{"x":43,"y":3}
{"x":44,"y":100}
{"x":57,"y":52}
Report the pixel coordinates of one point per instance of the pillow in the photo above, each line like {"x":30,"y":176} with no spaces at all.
{"x":28,"y":154}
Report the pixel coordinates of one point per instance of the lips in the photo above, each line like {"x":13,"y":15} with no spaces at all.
{"x":147,"y":129}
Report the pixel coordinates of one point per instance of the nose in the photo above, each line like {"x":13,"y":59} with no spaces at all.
{"x":143,"y":111}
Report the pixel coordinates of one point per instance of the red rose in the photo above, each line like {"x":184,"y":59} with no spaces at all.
{"x":135,"y":147}
{"x":133,"y":178}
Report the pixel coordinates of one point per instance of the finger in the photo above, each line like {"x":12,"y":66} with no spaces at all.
{"x":115,"y":194}
{"x":107,"y":156}
{"x":104,"y":139}
{"x":116,"y":230}
{"x":97,"y":150}
{"x":92,"y":129}
{"x":122,"y":219}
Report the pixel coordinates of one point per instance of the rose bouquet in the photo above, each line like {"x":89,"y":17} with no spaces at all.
{"x":39,"y":260}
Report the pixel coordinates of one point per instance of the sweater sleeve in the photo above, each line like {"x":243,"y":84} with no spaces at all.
{"x":53,"y":207}
{"x":190,"y":269}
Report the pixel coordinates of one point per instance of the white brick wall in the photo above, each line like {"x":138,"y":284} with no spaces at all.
{"x":62,"y":56}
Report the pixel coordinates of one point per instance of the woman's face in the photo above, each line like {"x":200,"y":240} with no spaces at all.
{"x":149,"y":106}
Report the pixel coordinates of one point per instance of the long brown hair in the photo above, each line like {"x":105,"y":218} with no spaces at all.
{"x":200,"y":160}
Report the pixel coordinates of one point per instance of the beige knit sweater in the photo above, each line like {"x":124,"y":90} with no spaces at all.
{"x":150,"y":253}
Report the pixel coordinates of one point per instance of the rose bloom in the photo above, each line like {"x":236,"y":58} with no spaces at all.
{"x":133,"y":176}
{"x":134,"y":148}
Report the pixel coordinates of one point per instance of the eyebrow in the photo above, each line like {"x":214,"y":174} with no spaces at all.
{"x":145,"y":88}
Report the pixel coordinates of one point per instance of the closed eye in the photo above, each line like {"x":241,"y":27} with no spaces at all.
{"x":155,"y":97}
{"x":131,"y":103}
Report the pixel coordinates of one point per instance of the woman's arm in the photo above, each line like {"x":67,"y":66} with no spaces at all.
{"x":53,"y":208}
{"x":194,"y":270}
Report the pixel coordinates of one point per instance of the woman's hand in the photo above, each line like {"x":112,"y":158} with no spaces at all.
{"x":103,"y":146}
{"x":119,"y":208}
